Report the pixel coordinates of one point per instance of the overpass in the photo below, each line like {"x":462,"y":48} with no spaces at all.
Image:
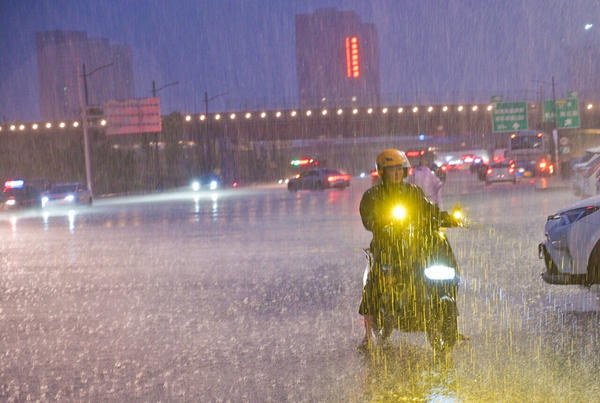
{"x":254,"y":145}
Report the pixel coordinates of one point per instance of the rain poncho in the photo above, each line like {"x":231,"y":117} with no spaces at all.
{"x":424,"y":178}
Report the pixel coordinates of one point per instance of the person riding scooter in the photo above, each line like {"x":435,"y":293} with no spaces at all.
{"x":375,"y":209}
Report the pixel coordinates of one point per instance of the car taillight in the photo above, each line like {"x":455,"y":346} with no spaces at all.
{"x":511,"y":170}
{"x":374,"y":174}
{"x":489,"y":171}
{"x":410,"y":171}
{"x":543,"y":165}
{"x":444,"y":168}
{"x":334,"y":178}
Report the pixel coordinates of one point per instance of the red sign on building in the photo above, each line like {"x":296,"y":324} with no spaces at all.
{"x":352,"y":57}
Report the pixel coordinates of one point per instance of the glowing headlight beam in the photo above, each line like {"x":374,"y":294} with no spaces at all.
{"x":440,"y":272}
{"x":399,"y":213}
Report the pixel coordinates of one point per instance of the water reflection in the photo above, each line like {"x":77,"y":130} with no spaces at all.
{"x":407,"y":372}
{"x":45,"y":217}
{"x":215,"y":206}
{"x":71,"y":216}
{"x":13,"y":224}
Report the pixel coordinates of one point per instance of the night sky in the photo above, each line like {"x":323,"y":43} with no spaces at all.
{"x":430,"y":51}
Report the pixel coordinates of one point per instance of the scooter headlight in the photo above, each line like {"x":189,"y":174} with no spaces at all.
{"x":399,"y":212}
{"x":440,"y":272}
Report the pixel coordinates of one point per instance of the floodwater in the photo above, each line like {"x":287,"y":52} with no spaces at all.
{"x":252,"y":295}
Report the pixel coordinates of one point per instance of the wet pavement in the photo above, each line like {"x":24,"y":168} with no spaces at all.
{"x":252,"y":295}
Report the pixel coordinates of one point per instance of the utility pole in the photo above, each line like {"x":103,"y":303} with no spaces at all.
{"x":555,"y":124}
{"x":156,"y":159}
{"x":211,"y":149}
{"x":555,"y":130}
{"x":85,"y":124}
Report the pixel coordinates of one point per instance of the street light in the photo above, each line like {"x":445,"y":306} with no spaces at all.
{"x":211,"y":149}
{"x":555,"y":130}
{"x":156,"y":159}
{"x":84,"y":118}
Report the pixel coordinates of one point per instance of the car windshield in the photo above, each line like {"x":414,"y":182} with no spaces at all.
{"x":501,"y":165}
{"x":64,"y":189}
{"x":525,"y":142}
{"x":587,"y":156}
{"x":208,"y":178}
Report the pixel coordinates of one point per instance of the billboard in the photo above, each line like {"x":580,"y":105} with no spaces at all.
{"x":133,"y":116}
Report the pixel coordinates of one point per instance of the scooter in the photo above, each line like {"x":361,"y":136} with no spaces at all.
{"x":417,"y":281}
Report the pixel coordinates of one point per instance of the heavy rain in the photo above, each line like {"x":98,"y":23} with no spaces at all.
{"x":180,"y":216}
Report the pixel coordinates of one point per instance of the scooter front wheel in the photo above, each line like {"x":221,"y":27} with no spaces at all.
{"x":385,"y":328}
{"x":442,"y":325}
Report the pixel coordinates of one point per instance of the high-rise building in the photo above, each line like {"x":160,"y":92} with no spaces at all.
{"x":337,"y":60}
{"x":60,"y":58}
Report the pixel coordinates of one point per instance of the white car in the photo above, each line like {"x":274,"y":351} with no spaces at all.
{"x":586,"y":178}
{"x":67,"y":194}
{"x":503,"y":171}
{"x":571,"y":250}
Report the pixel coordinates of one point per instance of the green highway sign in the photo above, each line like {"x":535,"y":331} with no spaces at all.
{"x":567,"y":112}
{"x":509,"y":116}
{"x":495,"y":99}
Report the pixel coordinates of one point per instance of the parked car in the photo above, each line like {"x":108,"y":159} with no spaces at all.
{"x":19,"y":194}
{"x":584,"y":174}
{"x":503,"y":171}
{"x":319,"y":179}
{"x":571,"y":250}
{"x":67,"y":194}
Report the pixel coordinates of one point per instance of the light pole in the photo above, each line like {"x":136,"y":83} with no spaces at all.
{"x":156,"y":159}
{"x":84,"y":122}
{"x":555,"y":129}
{"x":210,"y":146}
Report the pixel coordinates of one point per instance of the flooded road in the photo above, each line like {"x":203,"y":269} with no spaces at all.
{"x":252,"y":295}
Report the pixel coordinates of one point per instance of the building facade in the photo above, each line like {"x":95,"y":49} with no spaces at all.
{"x":60,"y":59}
{"x":337,"y":59}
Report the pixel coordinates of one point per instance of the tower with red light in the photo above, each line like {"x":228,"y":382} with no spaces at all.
{"x":337,"y":61}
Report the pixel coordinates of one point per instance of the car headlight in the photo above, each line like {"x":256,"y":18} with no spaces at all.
{"x":440,"y":272}
{"x":213,"y":185}
{"x":44,"y":200}
{"x":69,"y":198}
{"x":195,"y":185}
{"x":11,"y":202}
{"x":571,"y":216}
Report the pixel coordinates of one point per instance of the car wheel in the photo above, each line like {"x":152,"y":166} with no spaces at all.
{"x":514,"y":181}
{"x":320,"y":186}
{"x":90,"y":201}
{"x":593,"y":271}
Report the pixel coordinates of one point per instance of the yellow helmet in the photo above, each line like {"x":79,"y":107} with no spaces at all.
{"x":389,"y":158}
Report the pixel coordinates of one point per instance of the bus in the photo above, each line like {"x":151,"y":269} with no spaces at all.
{"x":531,"y":152}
